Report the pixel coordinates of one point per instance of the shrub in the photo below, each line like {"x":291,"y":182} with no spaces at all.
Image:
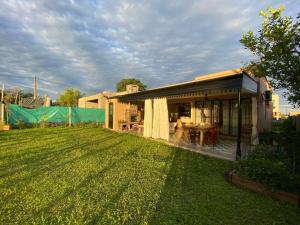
{"x":267,"y":137}
{"x":273,"y":174}
{"x":270,"y":166}
{"x":267,"y":152}
{"x":20,"y":124}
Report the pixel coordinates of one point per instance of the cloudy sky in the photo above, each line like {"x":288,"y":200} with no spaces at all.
{"x":90,"y":45}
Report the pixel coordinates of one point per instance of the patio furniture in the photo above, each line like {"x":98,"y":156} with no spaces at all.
{"x":123,"y":125}
{"x":210,"y":136}
{"x":182,"y":133}
{"x":172,"y":126}
{"x":198,"y":129}
{"x":194,"y":135}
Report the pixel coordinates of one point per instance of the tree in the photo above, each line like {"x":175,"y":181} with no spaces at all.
{"x":12,"y":95}
{"x":121,"y":85}
{"x":277,"y":49}
{"x":69,"y":97}
{"x":26,"y":94}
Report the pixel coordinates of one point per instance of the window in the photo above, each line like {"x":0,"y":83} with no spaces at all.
{"x":184,"y":109}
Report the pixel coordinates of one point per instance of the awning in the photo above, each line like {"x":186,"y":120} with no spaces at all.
{"x":241,"y":81}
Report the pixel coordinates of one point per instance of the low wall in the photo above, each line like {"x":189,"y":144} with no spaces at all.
{"x":257,"y":187}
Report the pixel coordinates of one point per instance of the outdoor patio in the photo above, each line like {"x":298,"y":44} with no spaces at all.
{"x":224,"y":149}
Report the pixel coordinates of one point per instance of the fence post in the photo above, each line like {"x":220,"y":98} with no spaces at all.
{"x":298,"y":123}
{"x":2,"y":104}
{"x":70,"y":116}
{"x":2,"y":113}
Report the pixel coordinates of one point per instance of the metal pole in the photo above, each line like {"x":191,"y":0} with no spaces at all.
{"x":2,"y":93}
{"x":70,"y":116}
{"x":239,"y":131}
{"x":2,"y":104}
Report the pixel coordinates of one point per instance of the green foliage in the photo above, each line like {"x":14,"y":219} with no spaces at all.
{"x":267,"y":137}
{"x":289,"y":139}
{"x":121,"y":85}
{"x":277,"y":49}
{"x":43,"y":123}
{"x":26,"y":94}
{"x":273,"y":174}
{"x":88,"y":175}
{"x":270,"y":166}
{"x":69,"y":97}
{"x":267,"y":152}
{"x":20,"y":124}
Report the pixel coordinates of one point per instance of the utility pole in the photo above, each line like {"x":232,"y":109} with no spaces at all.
{"x":35,"y":88}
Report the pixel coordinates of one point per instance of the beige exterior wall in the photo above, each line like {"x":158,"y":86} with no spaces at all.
{"x":276,"y":110}
{"x":119,"y":114}
{"x":265,"y":108}
{"x":294,"y":113}
{"x":93,"y":101}
{"x":47,"y":101}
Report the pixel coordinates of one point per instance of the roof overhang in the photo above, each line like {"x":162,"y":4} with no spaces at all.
{"x":240,"y":81}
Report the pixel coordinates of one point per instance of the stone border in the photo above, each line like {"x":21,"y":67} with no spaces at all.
{"x":233,"y":178}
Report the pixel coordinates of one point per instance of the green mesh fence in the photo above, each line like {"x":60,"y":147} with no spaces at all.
{"x":54,"y":114}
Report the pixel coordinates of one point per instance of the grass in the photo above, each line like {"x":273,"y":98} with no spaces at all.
{"x":95,"y":176}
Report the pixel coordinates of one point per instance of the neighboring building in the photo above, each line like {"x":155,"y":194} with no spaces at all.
{"x":93,"y":101}
{"x":294,"y":113}
{"x":232,"y":101}
{"x":276,"y":109}
{"x":36,"y":102}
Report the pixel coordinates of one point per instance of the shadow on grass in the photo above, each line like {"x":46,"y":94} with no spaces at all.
{"x":195,"y":192}
{"x":178,"y":202}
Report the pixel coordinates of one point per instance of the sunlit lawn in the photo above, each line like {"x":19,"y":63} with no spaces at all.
{"x":95,"y":176}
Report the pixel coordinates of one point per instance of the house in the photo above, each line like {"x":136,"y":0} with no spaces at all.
{"x":234,"y":102}
{"x":36,"y":102}
{"x":276,"y":109}
{"x":294,"y":113}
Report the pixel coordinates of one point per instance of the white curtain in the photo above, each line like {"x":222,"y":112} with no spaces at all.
{"x":254,"y":121}
{"x":156,"y":112}
{"x":148,"y":120}
{"x":160,"y":119}
{"x":164,"y":120}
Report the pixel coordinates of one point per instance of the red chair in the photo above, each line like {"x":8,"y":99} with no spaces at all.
{"x":210,"y":136}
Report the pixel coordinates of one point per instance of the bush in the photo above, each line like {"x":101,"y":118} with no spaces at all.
{"x":273,"y":174}
{"x":285,"y":138}
{"x":267,"y":152}
{"x":267,"y":137}
{"x":20,"y":124}
{"x":270,"y":166}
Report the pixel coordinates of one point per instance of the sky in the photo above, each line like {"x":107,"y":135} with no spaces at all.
{"x":90,"y":45}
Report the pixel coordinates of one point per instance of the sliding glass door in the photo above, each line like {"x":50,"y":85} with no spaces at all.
{"x":223,"y":114}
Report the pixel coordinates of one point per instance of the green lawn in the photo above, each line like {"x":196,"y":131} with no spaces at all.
{"x":95,"y":176}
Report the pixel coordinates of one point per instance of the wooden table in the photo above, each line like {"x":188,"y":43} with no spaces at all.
{"x":199,"y":128}
{"x":127,"y":125}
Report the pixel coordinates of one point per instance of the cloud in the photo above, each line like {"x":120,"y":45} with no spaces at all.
{"x":90,"y":45}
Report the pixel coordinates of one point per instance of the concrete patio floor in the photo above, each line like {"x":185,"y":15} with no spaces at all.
{"x":224,"y":149}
